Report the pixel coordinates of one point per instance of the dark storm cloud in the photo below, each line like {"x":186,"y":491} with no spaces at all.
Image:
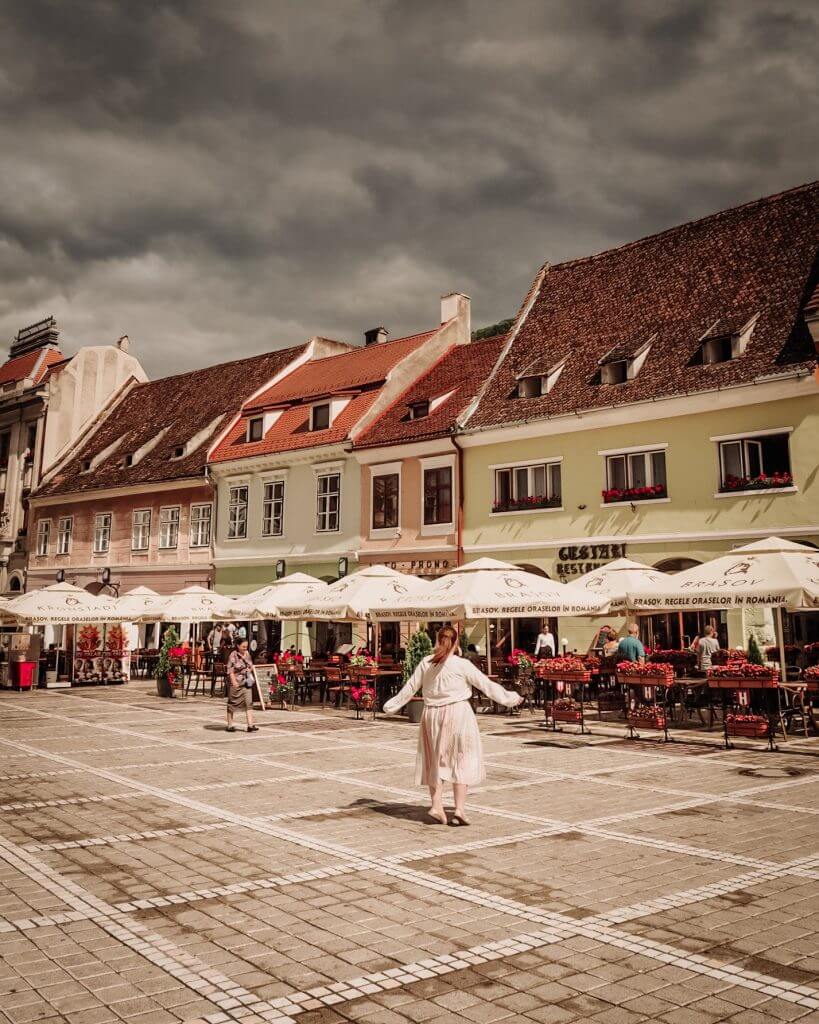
{"x":216,"y":179}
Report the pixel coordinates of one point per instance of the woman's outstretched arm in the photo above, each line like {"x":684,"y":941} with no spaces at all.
{"x":408,"y":690}
{"x":495,"y":692}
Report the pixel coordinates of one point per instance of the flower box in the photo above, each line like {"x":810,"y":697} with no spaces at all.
{"x":617,"y":494}
{"x":525,"y":504}
{"x":742,"y":675}
{"x":651,"y":674}
{"x":646,"y":717}
{"x":564,"y":711}
{"x":753,"y":730}
{"x":569,"y":670}
{"x":756,"y":483}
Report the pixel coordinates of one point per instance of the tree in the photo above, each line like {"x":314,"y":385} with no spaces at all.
{"x":501,"y":327}
{"x":754,"y":653}
{"x":418,"y":647}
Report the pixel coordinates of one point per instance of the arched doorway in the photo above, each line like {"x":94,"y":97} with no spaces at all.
{"x":16,"y":584}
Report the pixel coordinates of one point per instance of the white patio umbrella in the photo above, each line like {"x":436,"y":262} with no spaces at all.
{"x":352,"y":597}
{"x":487,"y":588}
{"x":616,"y":580}
{"x":773,"y":572}
{"x":264,"y":603}
{"x":134,"y":602}
{"x":62,"y":604}
{"x":191,"y":604}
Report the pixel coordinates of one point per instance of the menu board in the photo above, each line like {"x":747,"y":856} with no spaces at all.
{"x":101,"y":653}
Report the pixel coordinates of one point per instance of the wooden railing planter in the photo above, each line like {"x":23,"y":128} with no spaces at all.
{"x":647,"y":717}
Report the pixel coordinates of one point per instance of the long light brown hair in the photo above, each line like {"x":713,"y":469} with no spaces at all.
{"x":446,"y":641}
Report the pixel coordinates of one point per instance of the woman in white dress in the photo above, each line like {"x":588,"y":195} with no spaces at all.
{"x":449,"y":743}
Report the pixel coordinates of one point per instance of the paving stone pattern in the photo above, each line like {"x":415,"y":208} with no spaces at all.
{"x":154,"y":869}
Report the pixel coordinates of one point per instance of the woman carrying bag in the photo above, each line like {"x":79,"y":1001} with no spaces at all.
{"x":449,"y":742}
{"x":241,"y":679}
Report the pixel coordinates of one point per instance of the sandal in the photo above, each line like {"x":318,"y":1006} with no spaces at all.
{"x":253,"y":728}
{"x":231,"y":728}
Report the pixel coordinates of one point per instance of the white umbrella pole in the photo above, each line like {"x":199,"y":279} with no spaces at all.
{"x":780,"y":641}
{"x":488,"y":650}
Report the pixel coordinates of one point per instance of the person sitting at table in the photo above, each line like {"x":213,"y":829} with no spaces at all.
{"x":449,"y":742}
{"x":630,"y":647}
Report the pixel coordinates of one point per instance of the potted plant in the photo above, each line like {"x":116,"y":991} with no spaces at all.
{"x":281,"y":690}
{"x":167,"y":666}
{"x":363,"y":698}
{"x":419,"y":647}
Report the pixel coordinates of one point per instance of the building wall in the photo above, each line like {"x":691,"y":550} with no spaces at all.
{"x":80,"y":391}
{"x":412,"y":547}
{"x":244,"y":564}
{"x":693,"y":524}
{"x":164,"y":570}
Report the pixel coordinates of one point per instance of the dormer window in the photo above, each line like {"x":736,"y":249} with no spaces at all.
{"x":128,"y":460}
{"x":614,"y":373}
{"x":719,"y":349}
{"x":624,"y":362}
{"x":531,"y":387}
{"x":255,"y":428}
{"x":419,"y":410}
{"x":320,"y":416}
{"x":179,"y":451}
{"x":86,"y":465}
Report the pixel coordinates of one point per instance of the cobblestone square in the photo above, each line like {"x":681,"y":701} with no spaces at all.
{"x":154,"y":869}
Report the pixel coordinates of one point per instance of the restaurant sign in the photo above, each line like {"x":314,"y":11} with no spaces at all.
{"x":422,"y":566}
{"x":578,"y":559}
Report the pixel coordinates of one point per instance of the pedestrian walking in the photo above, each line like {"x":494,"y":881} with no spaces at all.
{"x":449,"y":742}
{"x":241,"y":679}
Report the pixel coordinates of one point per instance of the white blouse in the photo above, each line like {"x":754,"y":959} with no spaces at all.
{"x":448,"y":683}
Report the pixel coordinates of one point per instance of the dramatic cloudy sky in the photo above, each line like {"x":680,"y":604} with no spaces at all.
{"x":216,"y":178}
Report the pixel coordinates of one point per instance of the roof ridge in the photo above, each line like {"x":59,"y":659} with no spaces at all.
{"x":709,"y":217}
{"x":220,"y":366}
{"x":364,"y":348}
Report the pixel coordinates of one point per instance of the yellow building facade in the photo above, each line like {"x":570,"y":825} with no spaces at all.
{"x":695,"y":522}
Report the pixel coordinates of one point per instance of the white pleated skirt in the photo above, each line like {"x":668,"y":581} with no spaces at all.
{"x":449,"y":746}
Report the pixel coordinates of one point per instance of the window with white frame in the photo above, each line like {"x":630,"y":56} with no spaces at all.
{"x":43,"y":536}
{"x":237,"y":512}
{"x":65,"y":527}
{"x":102,"y":533}
{"x":140,"y":529}
{"x":169,"y":526}
{"x":201,"y":516}
{"x":635,"y":476}
{"x":328,"y":497}
{"x":385,"y":502}
{"x":273,"y":508}
{"x":437,"y":495}
{"x":755,"y":463}
{"x":530,"y":486}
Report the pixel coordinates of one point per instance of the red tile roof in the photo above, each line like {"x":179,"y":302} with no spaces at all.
{"x":182,"y":406}
{"x":356,"y":374}
{"x":461,"y":371}
{"x":347,"y":371}
{"x":711,"y":275}
{"x":31,"y":364}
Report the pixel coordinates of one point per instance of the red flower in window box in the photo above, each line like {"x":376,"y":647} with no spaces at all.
{"x":763,"y":482}
{"x":615,"y":494}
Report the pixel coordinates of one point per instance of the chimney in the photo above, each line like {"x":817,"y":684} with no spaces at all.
{"x":457,"y":306}
{"x":124,"y":343}
{"x":375,"y":335}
